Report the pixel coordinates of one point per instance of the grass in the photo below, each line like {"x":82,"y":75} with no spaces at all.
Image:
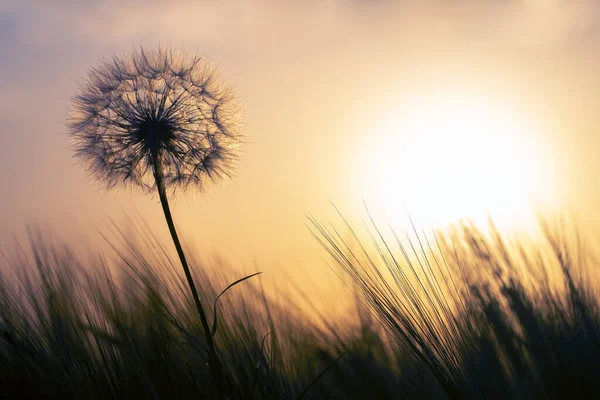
{"x":464,"y":315}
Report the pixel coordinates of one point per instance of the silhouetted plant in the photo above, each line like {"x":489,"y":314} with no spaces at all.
{"x":71,"y":328}
{"x":158,"y":120}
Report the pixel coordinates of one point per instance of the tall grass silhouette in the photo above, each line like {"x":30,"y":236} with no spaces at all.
{"x":463,"y":315}
{"x":483,"y":319}
{"x":160,"y":121}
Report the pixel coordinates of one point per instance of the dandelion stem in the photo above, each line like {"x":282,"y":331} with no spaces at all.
{"x":212,"y":353}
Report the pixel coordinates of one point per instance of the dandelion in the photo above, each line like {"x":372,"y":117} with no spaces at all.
{"x":159,"y":121}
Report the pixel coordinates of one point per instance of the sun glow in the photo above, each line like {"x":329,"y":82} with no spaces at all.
{"x":455,"y":158}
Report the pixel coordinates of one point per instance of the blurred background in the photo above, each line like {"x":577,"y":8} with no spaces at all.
{"x":438,"y":110}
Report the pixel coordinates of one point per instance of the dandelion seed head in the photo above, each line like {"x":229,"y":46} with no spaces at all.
{"x":156,"y":112}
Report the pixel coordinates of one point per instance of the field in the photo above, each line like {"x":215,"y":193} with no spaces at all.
{"x":465,"y":314}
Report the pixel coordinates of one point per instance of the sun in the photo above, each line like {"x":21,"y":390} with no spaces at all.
{"x":453,"y":157}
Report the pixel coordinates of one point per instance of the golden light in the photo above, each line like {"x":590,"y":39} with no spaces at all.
{"x":455,"y":157}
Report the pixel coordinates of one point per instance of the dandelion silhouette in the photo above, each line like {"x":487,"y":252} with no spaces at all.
{"x":158,"y":121}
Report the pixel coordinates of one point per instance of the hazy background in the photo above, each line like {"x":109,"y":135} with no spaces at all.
{"x":315,"y":79}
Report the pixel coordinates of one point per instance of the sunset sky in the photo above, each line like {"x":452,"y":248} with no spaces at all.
{"x":443,"y":109}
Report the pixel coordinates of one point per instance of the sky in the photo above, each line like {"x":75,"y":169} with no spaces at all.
{"x":327,"y":89}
